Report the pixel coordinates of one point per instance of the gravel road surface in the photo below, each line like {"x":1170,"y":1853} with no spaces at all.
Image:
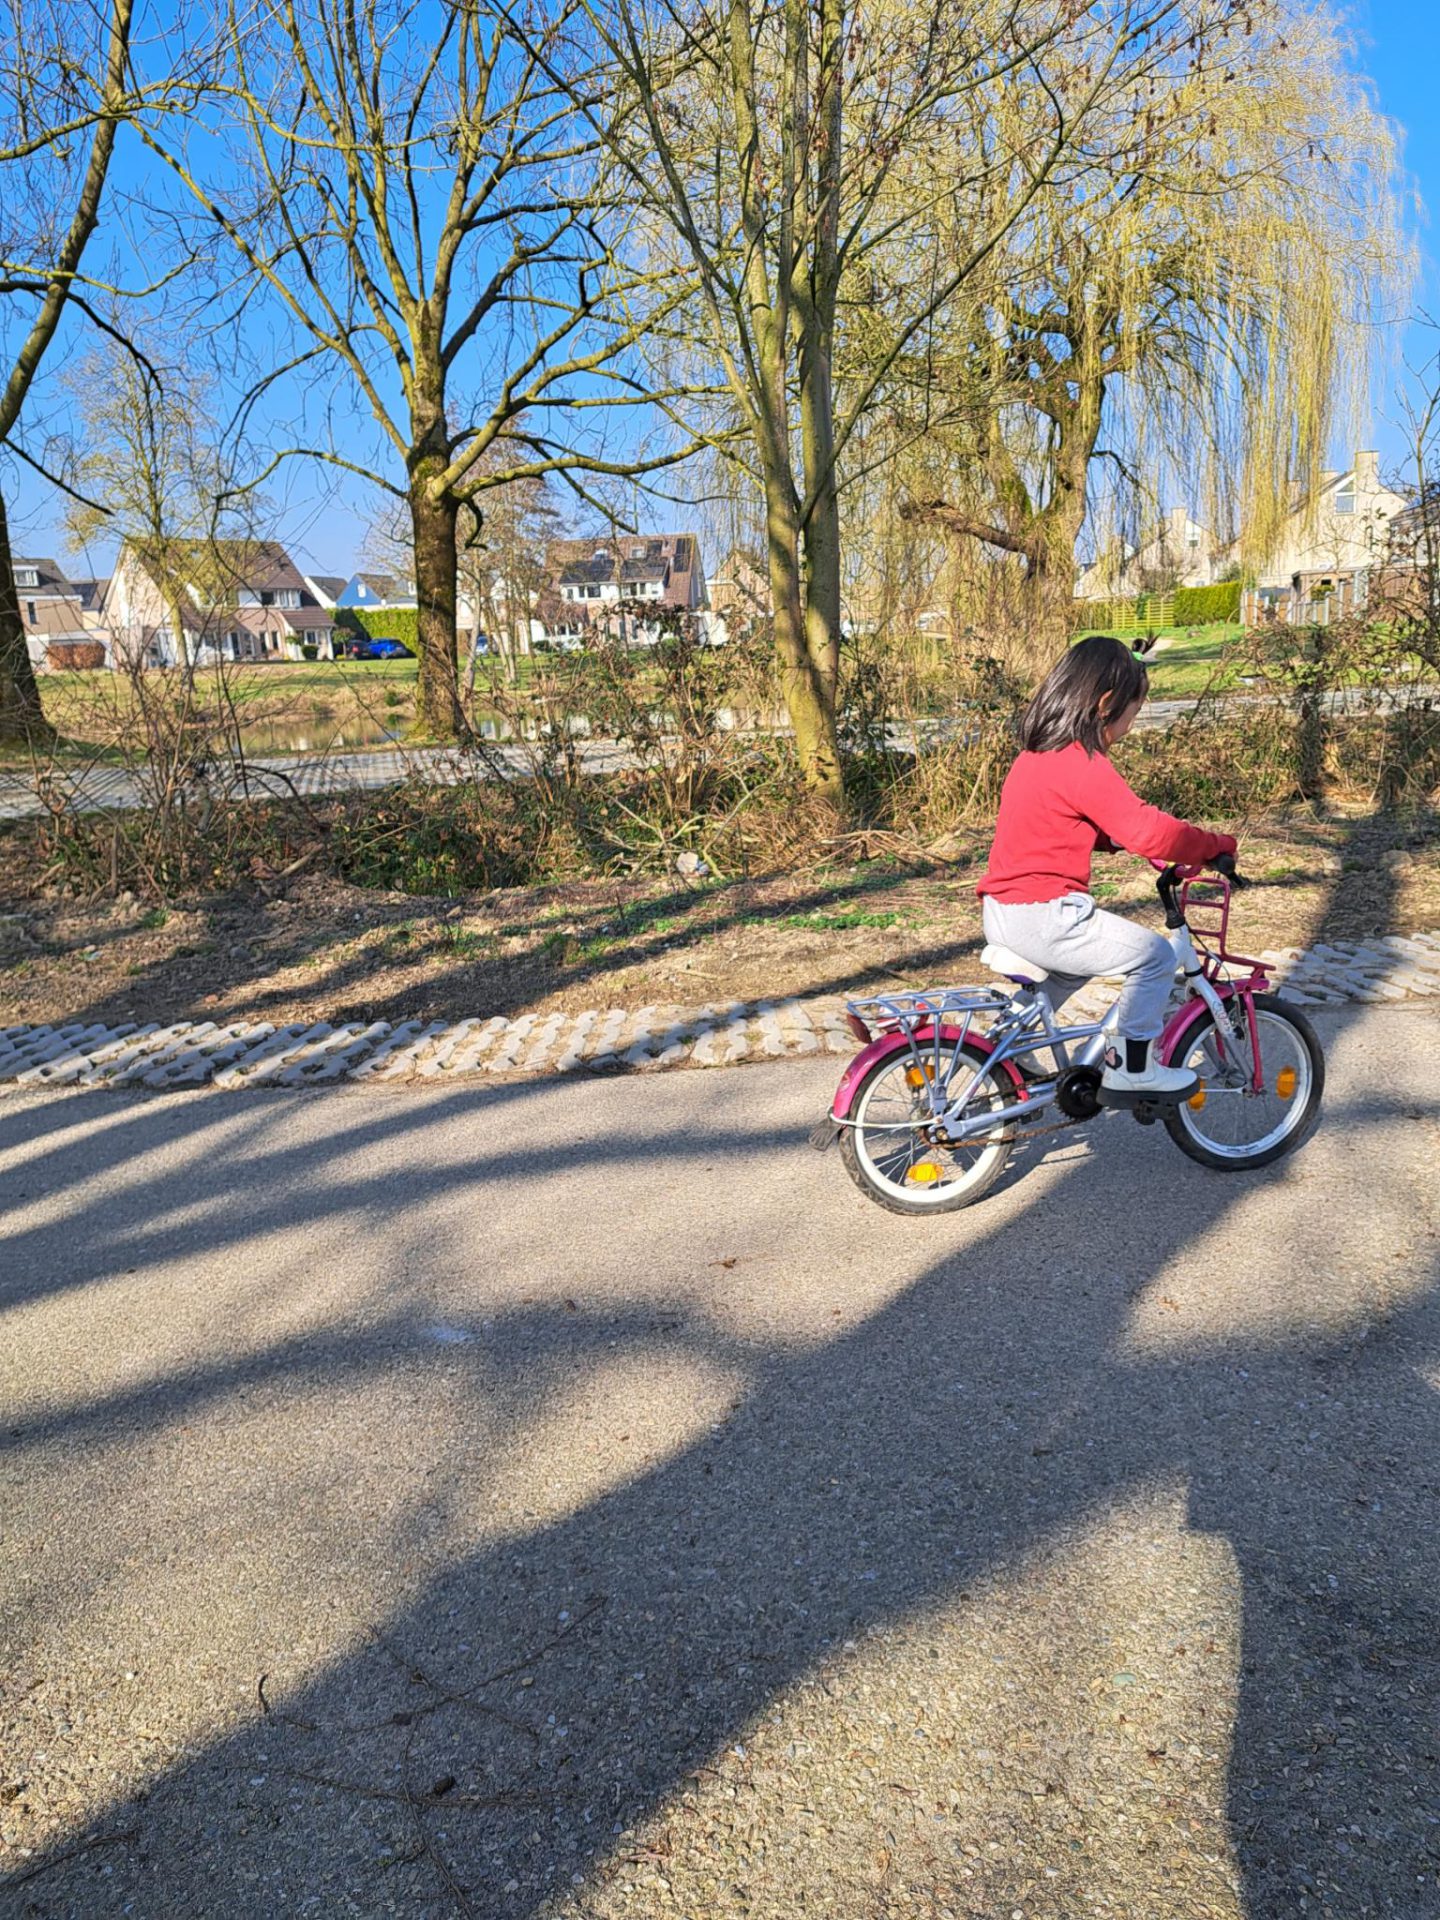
{"x":627,"y":1518}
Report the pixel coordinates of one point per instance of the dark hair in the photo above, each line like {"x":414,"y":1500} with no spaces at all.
{"x":1094,"y":683}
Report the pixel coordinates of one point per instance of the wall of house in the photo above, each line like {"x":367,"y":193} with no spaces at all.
{"x":1345,"y":531}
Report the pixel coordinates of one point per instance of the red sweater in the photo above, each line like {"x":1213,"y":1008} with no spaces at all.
{"x":1057,"y":809}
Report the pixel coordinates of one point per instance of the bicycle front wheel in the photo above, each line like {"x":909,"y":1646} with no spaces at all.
{"x":894,"y":1152}
{"x":1231,"y":1124}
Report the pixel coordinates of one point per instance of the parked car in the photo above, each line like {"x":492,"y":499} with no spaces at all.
{"x":387,"y":649}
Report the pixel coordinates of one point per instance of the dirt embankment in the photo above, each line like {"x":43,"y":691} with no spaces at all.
{"x":332,"y":952}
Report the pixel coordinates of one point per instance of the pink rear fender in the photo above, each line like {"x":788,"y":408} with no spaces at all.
{"x":889,"y":1043}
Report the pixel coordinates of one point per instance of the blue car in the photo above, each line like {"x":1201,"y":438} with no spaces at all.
{"x":389,"y":650}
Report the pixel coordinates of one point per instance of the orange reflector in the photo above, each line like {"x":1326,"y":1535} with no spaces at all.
{"x":917,"y":1076}
{"x":1197,"y":1099}
{"x":924,"y":1173}
{"x":1285,"y":1082}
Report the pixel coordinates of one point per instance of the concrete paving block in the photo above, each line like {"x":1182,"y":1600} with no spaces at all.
{"x":69,"y":1061}
{"x":322,"y":1059}
{"x":195,"y":1059}
{"x":470,"y":1057}
{"x":332,"y":1058}
{"x":605,"y":1045}
{"x":446,"y":1047}
{"x":394,"y":1052}
{"x":517,"y":1038}
{"x":543,"y":1041}
{"x":16,"y":1041}
{"x":43,"y":1043}
{"x":571,"y":1052}
{"x":642,"y":1038}
{"x":148,"y":1045}
{"x":246,"y":1068}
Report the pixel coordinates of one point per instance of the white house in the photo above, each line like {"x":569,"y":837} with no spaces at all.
{"x":619,"y":582}
{"x":1179,"y":552}
{"x":229,"y":599}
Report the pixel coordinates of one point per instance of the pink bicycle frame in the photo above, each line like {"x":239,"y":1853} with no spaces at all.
{"x":1202,"y":949}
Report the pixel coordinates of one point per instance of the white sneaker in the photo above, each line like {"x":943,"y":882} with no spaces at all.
{"x":1133,"y":1077}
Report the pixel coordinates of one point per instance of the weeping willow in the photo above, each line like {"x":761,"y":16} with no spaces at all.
{"x":1192,"y":306}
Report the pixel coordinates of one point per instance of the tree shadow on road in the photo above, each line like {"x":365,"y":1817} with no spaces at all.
{"x":991,"y":1408}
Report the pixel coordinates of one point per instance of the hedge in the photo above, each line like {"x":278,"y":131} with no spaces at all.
{"x":1203,"y":606}
{"x":1189,"y":607}
{"x":385,"y":623}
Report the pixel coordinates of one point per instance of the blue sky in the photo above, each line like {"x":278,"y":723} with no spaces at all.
{"x":324,"y":518}
{"x":1400,"y":49}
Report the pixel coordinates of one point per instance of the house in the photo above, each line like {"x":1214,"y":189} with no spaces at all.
{"x":371,"y":593}
{"x":617,"y":583}
{"x":325,"y":588}
{"x":213,"y":600}
{"x":1329,"y":544}
{"x":59,"y":634}
{"x":741,"y":585}
{"x":1178,"y":552}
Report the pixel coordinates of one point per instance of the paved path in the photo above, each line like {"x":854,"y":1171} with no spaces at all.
{"x":258,"y":1053}
{"x":628,"y":1519}
{"x":84,"y":789}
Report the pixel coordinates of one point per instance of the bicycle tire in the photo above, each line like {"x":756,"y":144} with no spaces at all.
{"x":860,"y":1163}
{"x":1183,"y":1127}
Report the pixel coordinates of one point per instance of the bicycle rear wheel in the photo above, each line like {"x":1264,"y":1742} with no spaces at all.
{"x":897,"y":1157}
{"x":1228,"y":1123}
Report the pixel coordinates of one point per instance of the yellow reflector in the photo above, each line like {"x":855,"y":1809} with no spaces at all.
{"x":1285,"y":1083}
{"x":917,"y":1076}
{"x":924,"y":1173}
{"x":1197,"y":1099}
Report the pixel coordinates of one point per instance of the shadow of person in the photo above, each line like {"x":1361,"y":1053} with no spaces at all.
{"x":573,"y":1671}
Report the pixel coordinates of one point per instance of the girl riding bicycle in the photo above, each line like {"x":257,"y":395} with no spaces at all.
{"x":1062,"y":802}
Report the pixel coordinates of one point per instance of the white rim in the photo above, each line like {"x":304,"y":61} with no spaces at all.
{"x":911,"y":1148}
{"x":1281,"y":1046}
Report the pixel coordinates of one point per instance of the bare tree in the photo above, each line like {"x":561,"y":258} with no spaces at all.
{"x":424,"y":208}
{"x":148,"y":470}
{"x":786,"y":151}
{"x":67,"y":90}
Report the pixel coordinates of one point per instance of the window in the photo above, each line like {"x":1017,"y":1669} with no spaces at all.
{"x":27,"y":577}
{"x":1345,"y":496}
{"x":30,"y":611}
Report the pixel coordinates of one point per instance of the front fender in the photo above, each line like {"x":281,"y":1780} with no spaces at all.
{"x":889,"y":1043}
{"x":1177,"y":1032}
{"x":1181,"y":1021}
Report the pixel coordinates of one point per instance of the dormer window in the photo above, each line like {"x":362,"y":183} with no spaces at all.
{"x":27,"y":576}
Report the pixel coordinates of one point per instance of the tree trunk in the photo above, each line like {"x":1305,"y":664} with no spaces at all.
{"x":811,"y":716}
{"x":21,"y":715}
{"x":439,"y":712}
{"x":1049,"y":587}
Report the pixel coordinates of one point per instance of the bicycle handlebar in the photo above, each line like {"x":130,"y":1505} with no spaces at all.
{"x":1172,"y":873}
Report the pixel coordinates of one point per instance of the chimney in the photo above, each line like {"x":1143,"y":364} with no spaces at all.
{"x":1367,"y":472}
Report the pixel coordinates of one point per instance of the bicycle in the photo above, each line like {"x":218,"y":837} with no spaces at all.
{"x":947,"y":1080}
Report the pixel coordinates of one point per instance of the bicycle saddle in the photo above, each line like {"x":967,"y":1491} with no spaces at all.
{"x":1002,"y":960}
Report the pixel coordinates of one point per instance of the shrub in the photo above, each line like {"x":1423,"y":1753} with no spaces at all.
{"x":1203,"y":606}
{"x":388,"y":623}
